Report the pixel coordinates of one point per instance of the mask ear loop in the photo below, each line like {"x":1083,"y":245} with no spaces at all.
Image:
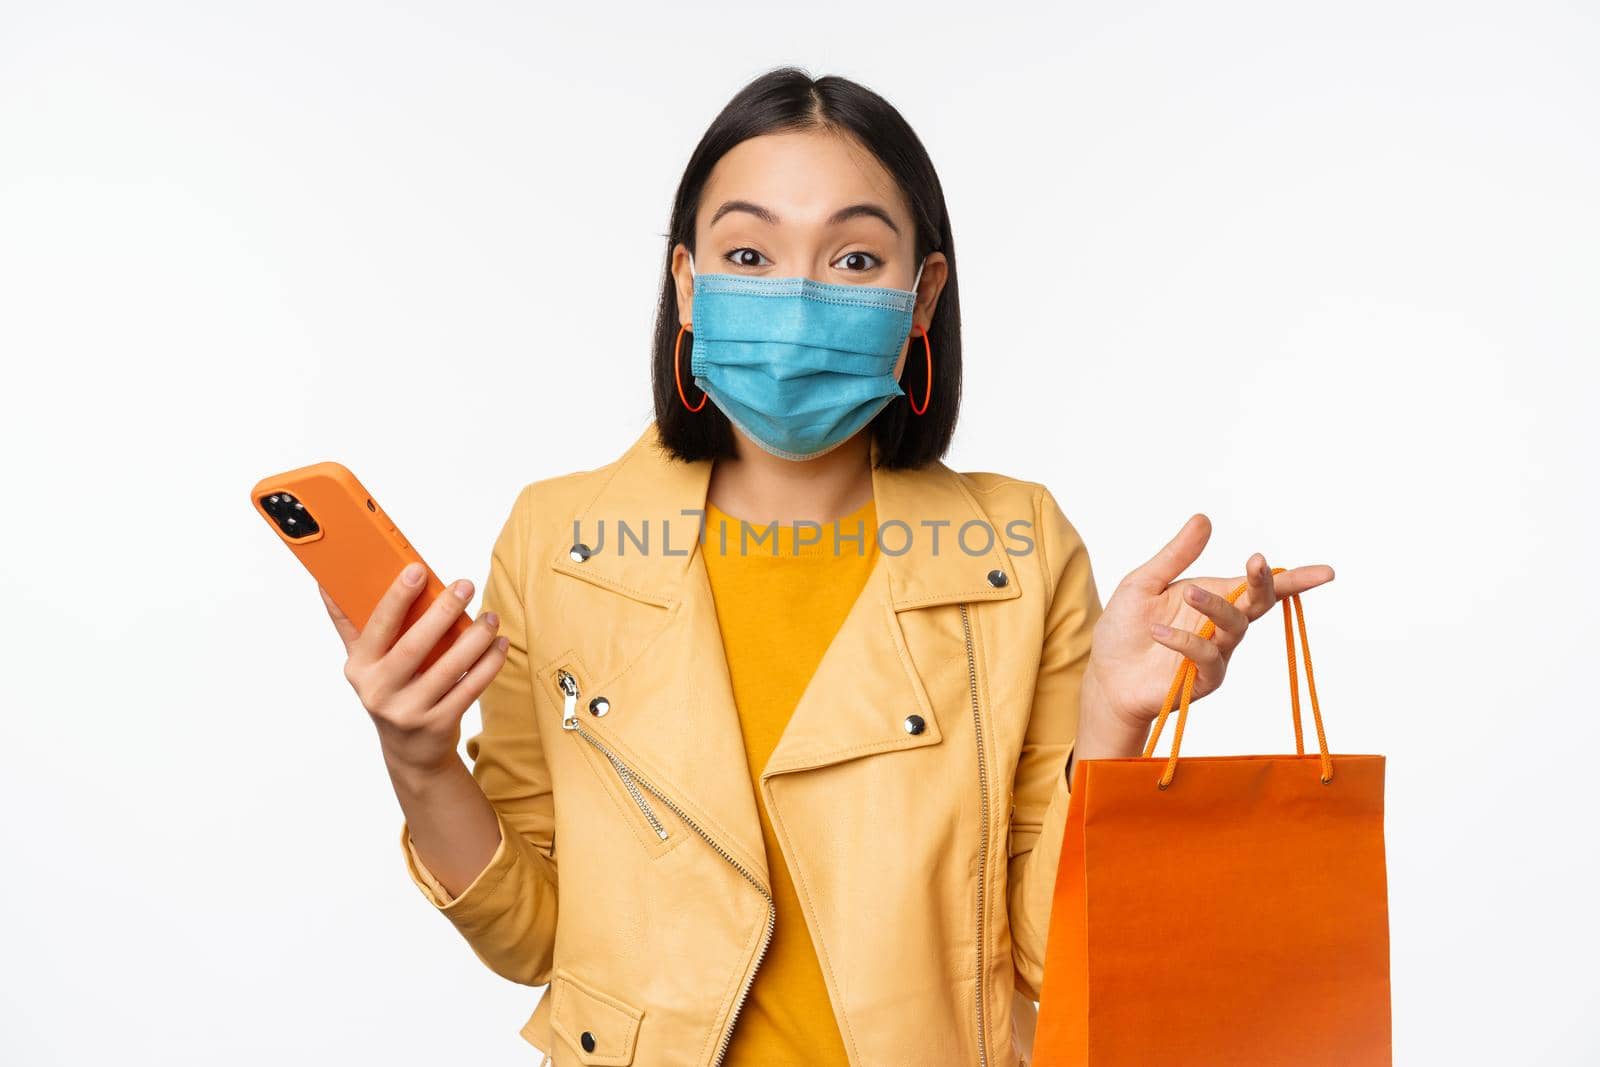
{"x":927,"y":351}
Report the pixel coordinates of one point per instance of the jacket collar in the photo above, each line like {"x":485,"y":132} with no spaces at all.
{"x":661,"y":502}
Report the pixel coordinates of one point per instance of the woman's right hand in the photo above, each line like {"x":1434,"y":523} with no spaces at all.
{"x":418,"y":716}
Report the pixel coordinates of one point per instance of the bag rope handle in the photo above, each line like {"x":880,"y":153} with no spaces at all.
{"x":1188,"y":670}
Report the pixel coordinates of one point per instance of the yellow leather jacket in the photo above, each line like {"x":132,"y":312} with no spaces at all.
{"x":917,"y":791}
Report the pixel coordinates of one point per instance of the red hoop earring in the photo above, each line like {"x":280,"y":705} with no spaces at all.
{"x":927,"y":393}
{"x":678,"y":377}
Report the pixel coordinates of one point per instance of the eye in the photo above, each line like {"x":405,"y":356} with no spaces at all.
{"x":747,"y":257}
{"x":857,"y":261}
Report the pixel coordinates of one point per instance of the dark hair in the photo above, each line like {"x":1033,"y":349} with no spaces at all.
{"x":790,"y":99}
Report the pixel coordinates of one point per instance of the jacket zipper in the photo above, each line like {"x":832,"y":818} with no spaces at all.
{"x":569,"y":721}
{"x":983,"y":824}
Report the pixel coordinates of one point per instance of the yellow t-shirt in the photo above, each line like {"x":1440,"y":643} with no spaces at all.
{"x":778,"y":612}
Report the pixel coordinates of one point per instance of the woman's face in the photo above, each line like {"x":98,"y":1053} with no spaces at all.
{"x":812,"y":204}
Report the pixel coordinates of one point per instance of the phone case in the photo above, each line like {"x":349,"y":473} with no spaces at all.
{"x":350,"y":546}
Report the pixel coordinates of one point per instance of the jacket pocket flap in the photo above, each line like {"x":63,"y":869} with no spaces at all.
{"x":602,"y":1028}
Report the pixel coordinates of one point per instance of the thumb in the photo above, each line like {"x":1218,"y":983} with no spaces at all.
{"x":1175,"y":557}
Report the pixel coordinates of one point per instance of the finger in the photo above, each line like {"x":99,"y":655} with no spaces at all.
{"x":454,"y":704}
{"x":402,"y":661}
{"x":1162,"y":569}
{"x":434,"y":682}
{"x":1259,"y":587}
{"x":1207,"y":656}
{"x":383,"y":626}
{"x":1298,"y":580}
{"x":348,"y":631}
{"x":1230,"y":621}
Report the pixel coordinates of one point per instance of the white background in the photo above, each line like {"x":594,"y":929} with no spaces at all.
{"x":1327,"y":273}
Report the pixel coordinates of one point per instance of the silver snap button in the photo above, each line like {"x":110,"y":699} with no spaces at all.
{"x":997,"y":578}
{"x":599,"y":706}
{"x":914,"y":724}
{"x":580,"y":552}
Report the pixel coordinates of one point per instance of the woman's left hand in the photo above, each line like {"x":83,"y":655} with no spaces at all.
{"x":1151,"y":615}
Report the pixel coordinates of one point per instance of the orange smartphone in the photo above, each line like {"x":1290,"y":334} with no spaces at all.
{"x":347,"y":542}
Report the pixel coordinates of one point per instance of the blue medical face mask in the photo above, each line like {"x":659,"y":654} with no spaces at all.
{"x":796,"y":364}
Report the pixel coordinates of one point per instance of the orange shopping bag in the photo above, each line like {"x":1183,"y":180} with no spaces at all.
{"x":1220,"y":909}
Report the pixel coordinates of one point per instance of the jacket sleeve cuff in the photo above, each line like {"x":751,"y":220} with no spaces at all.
{"x":479,"y":892}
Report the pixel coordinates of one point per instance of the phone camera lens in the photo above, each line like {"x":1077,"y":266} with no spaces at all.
{"x":290,"y":515}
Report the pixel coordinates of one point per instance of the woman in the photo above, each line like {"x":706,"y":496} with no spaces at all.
{"x":777,"y":727}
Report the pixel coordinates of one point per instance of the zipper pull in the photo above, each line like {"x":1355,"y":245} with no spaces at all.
{"x":569,"y":704}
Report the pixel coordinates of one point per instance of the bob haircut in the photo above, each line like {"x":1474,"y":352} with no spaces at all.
{"x":789,"y":99}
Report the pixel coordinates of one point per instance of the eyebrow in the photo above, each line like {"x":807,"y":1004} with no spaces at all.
{"x":844,"y":214}
{"x":746,"y":206}
{"x":856,"y":211}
